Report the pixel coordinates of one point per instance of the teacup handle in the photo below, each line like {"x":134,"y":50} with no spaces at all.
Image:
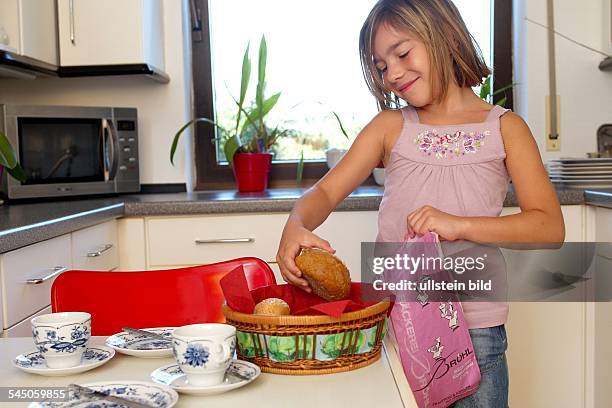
{"x":226,"y":351}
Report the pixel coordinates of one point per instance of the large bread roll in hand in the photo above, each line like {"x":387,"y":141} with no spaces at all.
{"x":327,"y":275}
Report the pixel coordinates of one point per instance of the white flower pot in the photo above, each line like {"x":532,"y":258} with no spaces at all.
{"x":379,"y":176}
{"x":333,"y":156}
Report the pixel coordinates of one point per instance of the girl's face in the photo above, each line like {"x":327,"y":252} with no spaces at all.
{"x":404,"y":64}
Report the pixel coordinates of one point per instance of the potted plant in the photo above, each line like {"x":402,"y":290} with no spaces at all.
{"x":486,"y":95}
{"x":334,"y":155}
{"x":8,"y":160}
{"x":247,"y":146}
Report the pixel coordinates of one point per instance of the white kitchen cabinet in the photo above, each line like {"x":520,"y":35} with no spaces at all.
{"x":212,"y":238}
{"x":546,"y":341}
{"x":132,"y":238}
{"x":110,"y":32}
{"x":24,"y":327}
{"x":29,"y":28}
{"x":39,"y":262}
{"x":193,"y":240}
{"x":9,"y":26}
{"x":599,"y":314}
{"x":96,"y":248}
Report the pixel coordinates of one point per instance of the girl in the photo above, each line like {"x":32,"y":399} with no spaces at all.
{"x":448,"y":158}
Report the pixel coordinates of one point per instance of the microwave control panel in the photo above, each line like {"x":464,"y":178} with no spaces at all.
{"x":126,"y":125}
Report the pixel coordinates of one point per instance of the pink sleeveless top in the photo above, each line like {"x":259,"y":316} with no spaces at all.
{"x":458,"y":169}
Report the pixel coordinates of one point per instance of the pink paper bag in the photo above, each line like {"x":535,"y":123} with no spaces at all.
{"x":435,"y":347}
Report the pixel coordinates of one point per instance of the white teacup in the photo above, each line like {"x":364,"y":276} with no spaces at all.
{"x":62,"y":338}
{"x":204,"y":351}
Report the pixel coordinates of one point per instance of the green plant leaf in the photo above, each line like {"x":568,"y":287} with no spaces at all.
{"x":244,"y":82}
{"x":340,"y":124}
{"x":502,"y":102}
{"x":7,"y":154}
{"x":498,"y":91}
{"x":263,"y":57}
{"x":246,"y":74}
{"x":485,"y":88}
{"x":300,"y":167}
{"x":17,"y":172}
{"x":178,"y":134}
{"x":268,"y":104}
{"x":230,"y":147}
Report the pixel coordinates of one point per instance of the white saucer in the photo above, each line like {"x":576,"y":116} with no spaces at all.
{"x":142,"y":346}
{"x":172,"y":376}
{"x":33,"y":362}
{"x":147,"y":393}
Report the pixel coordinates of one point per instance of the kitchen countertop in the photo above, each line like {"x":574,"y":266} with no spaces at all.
{"x":25,"y":224}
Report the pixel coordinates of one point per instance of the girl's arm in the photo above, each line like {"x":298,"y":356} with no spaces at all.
{"x":319,"y":201}
{"x":540,"y":219}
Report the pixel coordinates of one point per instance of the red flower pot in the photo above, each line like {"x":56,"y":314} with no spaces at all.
{"x":251,"y":171}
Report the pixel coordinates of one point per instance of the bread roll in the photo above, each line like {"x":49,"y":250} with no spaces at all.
{"x":272,"y":307}
{"x":327,"y":275}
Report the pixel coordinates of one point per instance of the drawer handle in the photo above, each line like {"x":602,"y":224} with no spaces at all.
{"x":224,"y":240}
{"x":56,"y":271}
{"x":100,"y":252}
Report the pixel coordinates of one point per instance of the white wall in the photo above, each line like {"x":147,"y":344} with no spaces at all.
{"x":585,"y":91}
{"x":162,"y":108}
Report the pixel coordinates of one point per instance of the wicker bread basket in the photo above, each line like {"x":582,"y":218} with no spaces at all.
{"x":303,"y":345}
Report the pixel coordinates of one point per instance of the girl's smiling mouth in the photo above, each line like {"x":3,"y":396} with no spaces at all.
{"x":407,"y":86}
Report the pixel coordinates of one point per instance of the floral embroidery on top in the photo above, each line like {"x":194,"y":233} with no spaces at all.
{"x":450,"y":144}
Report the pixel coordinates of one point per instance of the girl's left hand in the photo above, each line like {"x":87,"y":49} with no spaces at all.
{"x":448,"y":227}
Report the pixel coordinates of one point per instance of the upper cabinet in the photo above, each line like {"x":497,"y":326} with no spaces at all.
{"x":110,"y":32}
{"x":28,"y":28}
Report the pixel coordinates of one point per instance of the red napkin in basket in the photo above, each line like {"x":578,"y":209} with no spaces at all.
{"x":236,"y":291}
{"x":239,"y":298}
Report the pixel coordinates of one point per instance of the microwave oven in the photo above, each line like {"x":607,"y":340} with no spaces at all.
{"x":71,"y":150}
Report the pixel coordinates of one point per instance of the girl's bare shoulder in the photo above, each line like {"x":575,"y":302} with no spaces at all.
{"x":387,"y":123}
{"x":514,"y":128}
{"x":389,"y":117}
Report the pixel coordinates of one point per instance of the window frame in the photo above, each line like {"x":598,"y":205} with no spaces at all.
{"x":213,"y":176}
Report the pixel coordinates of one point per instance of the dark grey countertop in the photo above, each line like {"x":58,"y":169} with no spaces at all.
{"x":25,"y":224}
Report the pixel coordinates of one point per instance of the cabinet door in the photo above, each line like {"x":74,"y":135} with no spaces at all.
{"x":9,"y":26}
{"x":600,"y":337}
{"x":95,"y":248}
{"x":24,"y":327}
{"x":212,"y":238}
{"x":37,"y":261}
{"x":100,"y":32}
{"x":39,"y":30}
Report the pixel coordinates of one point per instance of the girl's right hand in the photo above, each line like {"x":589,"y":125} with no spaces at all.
{"x":293,"y":239}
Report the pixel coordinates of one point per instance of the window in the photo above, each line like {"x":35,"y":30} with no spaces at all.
{"x":313,"y":61}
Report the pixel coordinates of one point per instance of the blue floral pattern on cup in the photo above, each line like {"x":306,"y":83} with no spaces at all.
{"x":67,"y":339}
{"x":196,"y":355}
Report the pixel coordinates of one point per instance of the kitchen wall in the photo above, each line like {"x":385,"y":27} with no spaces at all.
{"x":585,"y":91}
{"x":162,"y":108}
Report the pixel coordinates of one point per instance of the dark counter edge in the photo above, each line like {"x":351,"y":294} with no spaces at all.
{"x":189,"y":204}
{"x":33,"y":233}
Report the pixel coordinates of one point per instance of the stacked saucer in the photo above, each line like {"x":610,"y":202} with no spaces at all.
{"x":581,"y":173}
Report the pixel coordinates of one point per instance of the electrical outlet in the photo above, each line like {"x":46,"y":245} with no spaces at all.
{"x":553,"y":142}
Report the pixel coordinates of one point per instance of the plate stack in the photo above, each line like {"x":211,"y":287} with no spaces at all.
{"x":581,"y":173}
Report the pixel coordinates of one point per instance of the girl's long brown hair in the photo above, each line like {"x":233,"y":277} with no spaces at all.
{"x":453,"y":53}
